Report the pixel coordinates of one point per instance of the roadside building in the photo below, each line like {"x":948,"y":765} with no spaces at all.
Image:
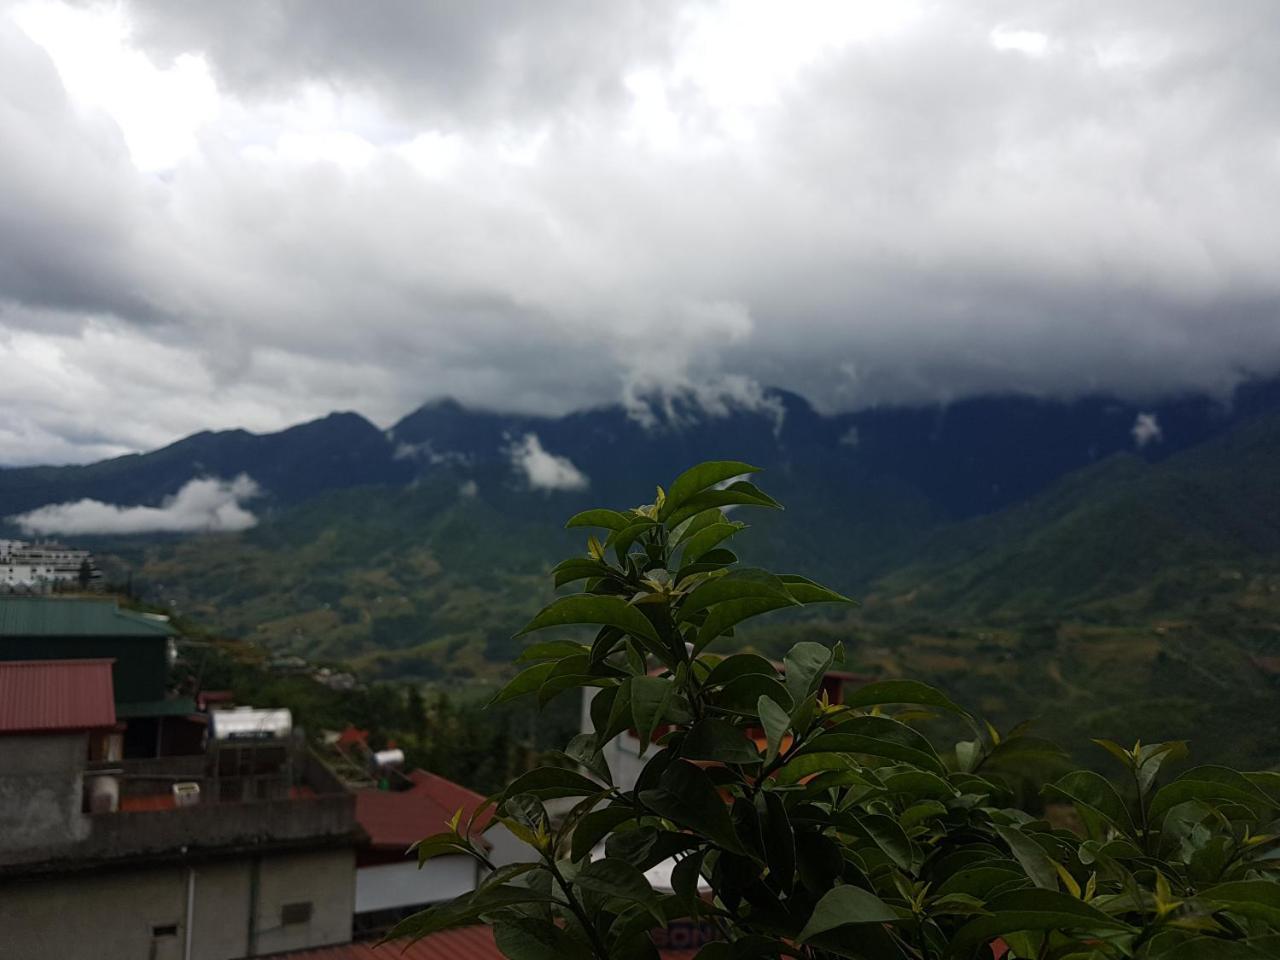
{"x":42,"y":567}
{"x":243,"y":848}
{"x":141,"y":645}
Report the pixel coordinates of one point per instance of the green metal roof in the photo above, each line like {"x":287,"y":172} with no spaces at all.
{"x":62,"y":617}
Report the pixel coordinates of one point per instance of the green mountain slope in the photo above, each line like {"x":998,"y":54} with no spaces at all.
{"x":1128,"y":600}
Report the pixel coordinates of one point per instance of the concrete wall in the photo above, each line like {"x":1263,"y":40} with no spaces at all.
{"x":204,"y":828}
{"x":387,"y":885}
{"x":41,"y":790}
{"x":117,"y":916}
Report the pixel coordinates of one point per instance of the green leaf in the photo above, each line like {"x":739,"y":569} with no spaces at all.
{"x":1031,"y":856}
{"x":549,"y":782}
{"x":844,"y":905}
{"x":742,"y":695}
{"x":608,"y":519}
{"x":621,"y":540}
{"x":595,"y":826}
{"x":743,"y":584}
{"x":1259,"y":899}
{"x":1153,"y":756}
{"x":583,"y":748}
{"x":604,"y":611}
{"x":877,"y":737}
{"x":804,"y":667}
{"x":920,"y":812}
{"x":579,"y":568}
{"x":533,"y":938}
{"x":439,"y":844}
{"x":719,"y":740}
{"x":740,"y":494}
{"x":738,"y":665}
{"x":900,"y":691}
{"x":724,"y":616}
{"x":804,"y":590}
{"x":775,"y":721}
{"x":686,"y":796}
{"x":552,"y":650}
{"x":1021,"y":910}
{"x":615,"y":878}
{"x":463,"y":910}
{"x":1087,"y":789}
{"x":699,"y":478}
{"x":1207,"y":783}
{"x":713,"y":561}
{"x":779,"y":840}
{"x":695,"y":523}
{"x":650,"y":699}
{"x":892,"y":840}
{"x":525,"y":682}
{"x":707,"y":538}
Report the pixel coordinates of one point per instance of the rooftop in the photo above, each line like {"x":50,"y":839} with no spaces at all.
{"x":464,"y":943}
{"x":48,"y":696}
{"x":396,"y":819}
{"x":64,"y":617}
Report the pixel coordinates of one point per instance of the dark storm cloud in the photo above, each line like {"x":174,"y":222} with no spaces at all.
{"x":541,"y":206}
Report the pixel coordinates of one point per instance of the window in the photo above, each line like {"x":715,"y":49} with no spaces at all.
{"x":295,"y":912}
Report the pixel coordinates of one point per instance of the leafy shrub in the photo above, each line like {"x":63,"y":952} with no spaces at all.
{"x":829,"y":829}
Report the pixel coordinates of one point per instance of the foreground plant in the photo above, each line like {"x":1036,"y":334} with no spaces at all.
{"x":827,"y":829}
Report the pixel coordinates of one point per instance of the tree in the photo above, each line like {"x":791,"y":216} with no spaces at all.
{"x":827,"y":829}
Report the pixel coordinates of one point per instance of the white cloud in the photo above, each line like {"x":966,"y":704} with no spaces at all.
{"x":543,"y":470}
{"x":1146,"y":429}
{"x":1031,"y":42}
{"x":215,"y":219}
{"x":201,"y":505}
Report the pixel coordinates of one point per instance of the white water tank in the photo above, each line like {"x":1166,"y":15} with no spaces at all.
{"x":385,"y":759}
{"x":250,"y":723}
{"x":104,"y":795}
{"x":186,"y":793}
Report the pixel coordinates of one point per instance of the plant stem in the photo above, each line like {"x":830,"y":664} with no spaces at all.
{"x":597,"y":944}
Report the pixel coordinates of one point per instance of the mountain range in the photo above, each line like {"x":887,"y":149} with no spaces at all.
{"x":1111,"y":567}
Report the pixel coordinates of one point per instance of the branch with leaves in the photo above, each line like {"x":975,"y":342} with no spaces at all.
{"x":804,"y":828}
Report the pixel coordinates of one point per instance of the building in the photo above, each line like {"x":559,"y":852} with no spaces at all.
{"x":141,"y":646}
{"x":243,"y":848}
{"x":42,"y":567}
{"x":389,"y":883}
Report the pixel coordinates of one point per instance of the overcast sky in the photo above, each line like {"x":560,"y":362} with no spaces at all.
{"x":252,"y":212}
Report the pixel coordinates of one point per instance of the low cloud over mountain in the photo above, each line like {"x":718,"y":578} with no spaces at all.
{"x":206,"y":505}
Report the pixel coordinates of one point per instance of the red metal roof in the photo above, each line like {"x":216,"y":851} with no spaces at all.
{"x":395,"y":819}
{"x":466,"y":943}
{"x":46,"y":696}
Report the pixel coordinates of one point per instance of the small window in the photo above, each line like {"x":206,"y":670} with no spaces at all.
{"x":164,"y":930}
{"x":295,"y":912}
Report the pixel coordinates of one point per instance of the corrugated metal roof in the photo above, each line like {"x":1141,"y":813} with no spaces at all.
{"x":64,"y":617}
{"x":465,"y":943}
{"x":45,"y":696}
{"x":394,"y":819}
